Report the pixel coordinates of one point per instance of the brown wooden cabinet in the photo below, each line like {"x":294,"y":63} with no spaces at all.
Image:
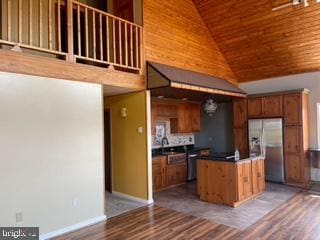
{"x":292,"y":105}
{"x":167,"y":175}
{"x":187,"y":120}
{"x":255,"y":107}
{"x":258,"y":176}
{"x":195,"y":118}
{"x":244,"y":180}
{"x":293,"y":108}
{"x":166,"y":110}
{"x":240,"y":113}
{"x":272,"y":106}
{"x":230,"y":183}
{"x":159,"y":172}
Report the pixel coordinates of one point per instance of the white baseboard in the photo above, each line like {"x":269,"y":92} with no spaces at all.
{"x":72,"y":228}
{"x":150,"y":201}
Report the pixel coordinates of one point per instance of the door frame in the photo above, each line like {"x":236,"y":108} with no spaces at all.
{"x":110,"y":140}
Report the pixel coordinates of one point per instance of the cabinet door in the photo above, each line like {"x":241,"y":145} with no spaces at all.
{"x":240,"y":113}
{"x":292,"y":109}
{"x":293,"y":168}
{"x":255,"y":107}
{"x":293,"y":140}
{"x":258,"y":176}
{"x":182,"y":123}
{"x":195,"y":118}
{"x":240,"y":140}
{"x":244,"y":179}
{"x":166,"y":110}
{"x":272,"y":106}
{"x":157,"y":174}
{"x":171,"y":178}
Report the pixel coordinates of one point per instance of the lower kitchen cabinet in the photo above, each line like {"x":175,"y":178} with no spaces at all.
{"x":230,"y":183}
{"x":258,"y":176}
{"x":167,"y":175}
{"x":159,"y":172}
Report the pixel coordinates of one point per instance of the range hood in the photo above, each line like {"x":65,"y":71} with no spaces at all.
{"x":179,"y":83}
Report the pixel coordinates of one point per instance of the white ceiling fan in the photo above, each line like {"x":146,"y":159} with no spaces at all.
{"x":293,"y":3}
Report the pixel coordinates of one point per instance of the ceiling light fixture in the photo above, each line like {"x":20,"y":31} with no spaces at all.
{"x":160,"y":97}
{"x":210,"y":107}
{"x":185,"y":99}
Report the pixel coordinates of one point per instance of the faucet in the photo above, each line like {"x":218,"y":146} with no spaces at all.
{"x":164,"y":139}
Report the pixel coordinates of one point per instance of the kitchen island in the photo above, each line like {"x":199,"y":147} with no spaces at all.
{"x":230,"y":182}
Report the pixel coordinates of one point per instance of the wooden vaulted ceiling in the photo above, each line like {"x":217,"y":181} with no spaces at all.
{"x":260,"y":43}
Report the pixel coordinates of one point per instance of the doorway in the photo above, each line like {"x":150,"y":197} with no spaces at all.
{"x":107,"y":152}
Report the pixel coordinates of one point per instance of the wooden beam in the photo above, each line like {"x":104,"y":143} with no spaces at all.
{"x":58,"y":69}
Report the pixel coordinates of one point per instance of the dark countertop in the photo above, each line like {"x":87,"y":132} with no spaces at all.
{"x":158,"y":152}
{"x":232,"y":160}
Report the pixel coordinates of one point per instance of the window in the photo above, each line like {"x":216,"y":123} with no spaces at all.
{"x":318,"y":122}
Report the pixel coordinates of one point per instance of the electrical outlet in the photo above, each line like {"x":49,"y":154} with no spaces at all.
{"x":19,"y":217}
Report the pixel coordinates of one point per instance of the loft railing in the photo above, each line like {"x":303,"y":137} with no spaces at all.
{"x":32,"y":24}
{"x":73,"y":31}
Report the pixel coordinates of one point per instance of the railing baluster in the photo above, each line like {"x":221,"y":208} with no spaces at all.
{"x":100,"y":35}
{"x":40,"y":23}
{"x":87,"y":35}
{"x":9,"y":20}
{"x":59,"y":25}
{"x":131,"y":46}
{"x":20,"y":21}
{"x":120,"y":42}
{"x":126,"y":43}
{"x":114,"y":40}
{"x":137,"y":48}
{"x":30,"y":22}
{"x":108,"y":39}
{"x":70,"y":30}
{"x":50,"y":24}
{"x":79,"y":30}
{"x":141,"y":49}
{"x":94,"y":35}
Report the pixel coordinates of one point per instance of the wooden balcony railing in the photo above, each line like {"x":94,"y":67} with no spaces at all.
{"x":73,"y":31}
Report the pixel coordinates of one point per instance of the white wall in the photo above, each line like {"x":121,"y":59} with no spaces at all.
{"x":51,"y":151}
{"x":307,"y":80}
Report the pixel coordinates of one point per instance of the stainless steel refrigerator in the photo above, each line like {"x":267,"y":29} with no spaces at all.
{"x":266,"y":138}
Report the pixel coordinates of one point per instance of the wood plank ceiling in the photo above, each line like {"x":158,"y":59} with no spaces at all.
{"x":260,"y":43}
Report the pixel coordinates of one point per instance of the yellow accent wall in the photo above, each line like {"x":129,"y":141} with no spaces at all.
{"x":128,"y":147}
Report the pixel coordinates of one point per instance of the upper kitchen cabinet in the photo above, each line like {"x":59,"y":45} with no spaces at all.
{"x":195,"y":117}
{"x":187,"y":120}
{"x":255,"y":107}
{"x":267,"y":106}
{"x":292,"y":104}
{"x":272,"y":106}
{"x":166,"y":110}
{"x":240,"y":113}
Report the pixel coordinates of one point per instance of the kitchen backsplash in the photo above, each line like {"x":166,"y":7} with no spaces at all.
{"x":163,"y":129}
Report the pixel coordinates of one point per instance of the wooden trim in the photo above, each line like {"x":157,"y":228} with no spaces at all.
{"x":207,"y":90}
{"x":70,"y":30}
{"x":58,"y":69}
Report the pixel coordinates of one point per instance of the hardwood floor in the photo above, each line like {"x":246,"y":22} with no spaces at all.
{"x":298,"y":218}
{"x":154,"y":223}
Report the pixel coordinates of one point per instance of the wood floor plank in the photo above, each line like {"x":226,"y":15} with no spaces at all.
{"x":298,"y":218}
